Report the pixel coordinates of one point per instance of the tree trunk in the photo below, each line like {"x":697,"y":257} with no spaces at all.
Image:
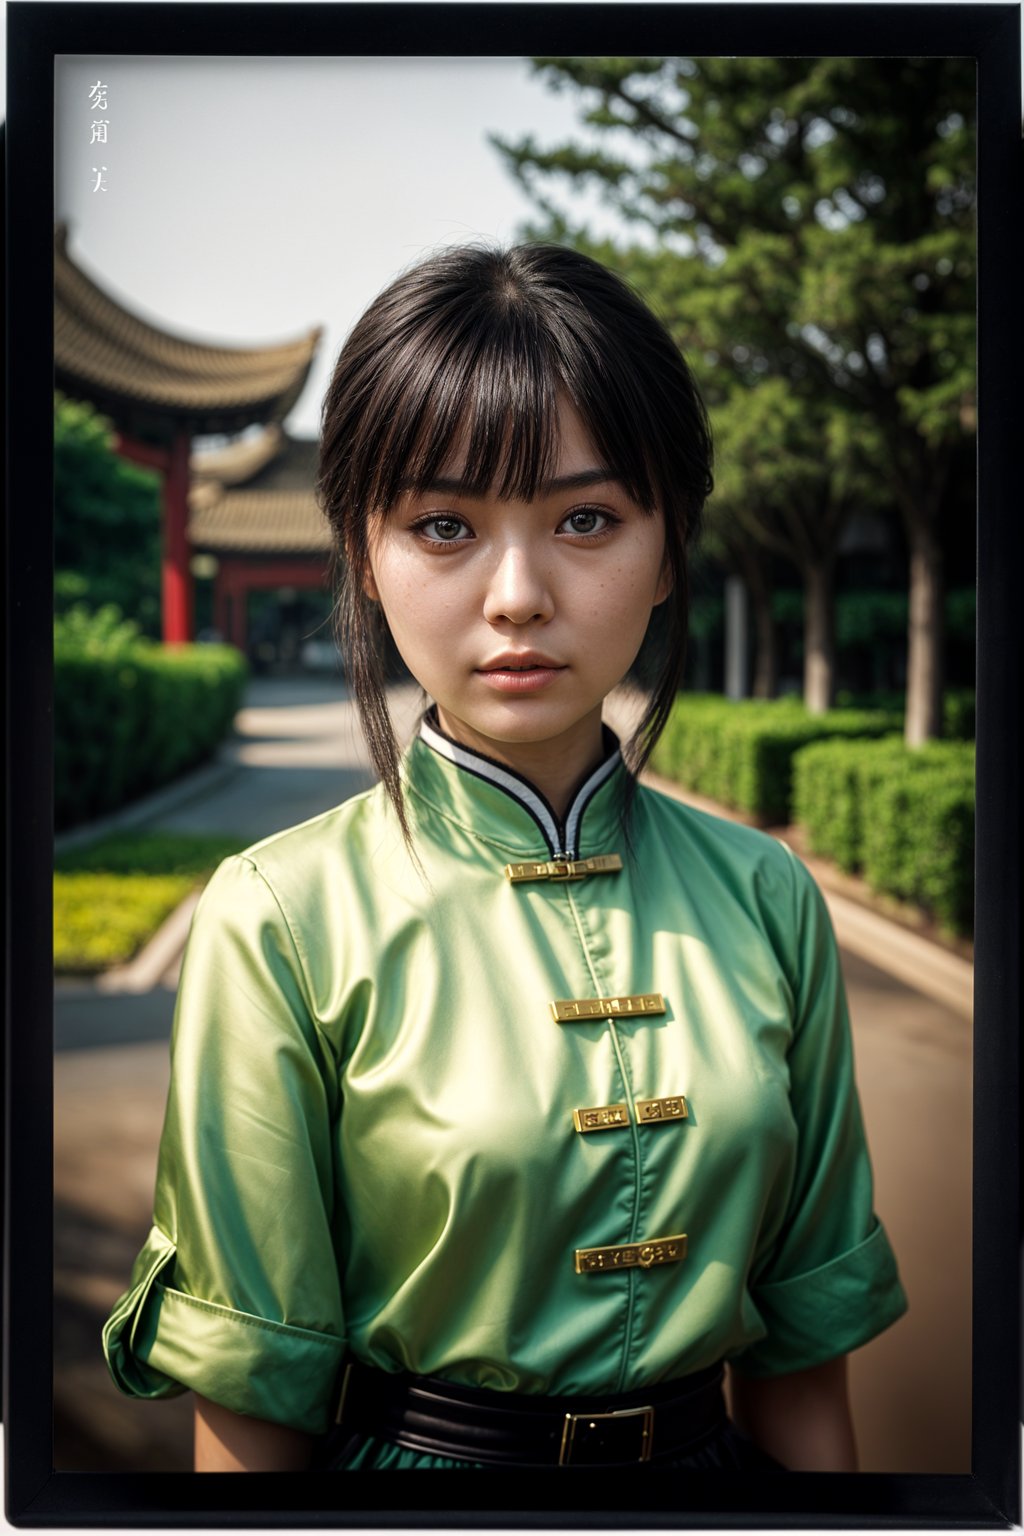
{"x":737,"y":670}
{"x":753,"y":563}
{"x":766,"y":649}
{"x":819,"y":637}
{"x":925,"y":634}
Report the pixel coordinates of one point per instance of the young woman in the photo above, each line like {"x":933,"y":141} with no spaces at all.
{"x":511,"y":1099}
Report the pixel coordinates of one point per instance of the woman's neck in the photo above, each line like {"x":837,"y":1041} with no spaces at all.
{"x":556,"y":766}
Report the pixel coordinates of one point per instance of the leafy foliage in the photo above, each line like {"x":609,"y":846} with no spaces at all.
{"x":906,"y":819}
{"x":102,"y":920}
{"x":146,"y":852}
{"x":805,"y":227}
{"x":958,"y":710}
{"x":111,"y":895}
{"x":129,"y":714}
{"x":106,"y":520}
{"x":740,"y":753}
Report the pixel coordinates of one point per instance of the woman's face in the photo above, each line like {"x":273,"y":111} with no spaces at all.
{"x":518,"y":617}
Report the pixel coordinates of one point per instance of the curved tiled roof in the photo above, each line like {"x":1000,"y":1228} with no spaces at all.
{"x":137,"y":373}
{"x":236,"y":462}
{"x":272,"y":509}
{"x":288,"y":522}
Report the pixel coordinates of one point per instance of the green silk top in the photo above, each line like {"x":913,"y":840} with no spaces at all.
{"x":370,"y":1143}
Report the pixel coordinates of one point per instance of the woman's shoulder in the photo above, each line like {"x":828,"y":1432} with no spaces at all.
{"x":323,"y":836}
{"x":717,"y":838}
{"x":297,"y":863}
{"x":754,"y":870}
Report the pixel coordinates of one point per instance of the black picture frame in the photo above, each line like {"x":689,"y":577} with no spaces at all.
{"x":36,"y":1494}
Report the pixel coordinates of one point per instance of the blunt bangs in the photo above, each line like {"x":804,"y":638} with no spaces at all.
{"x":473,"y":393}
{"x":478,"y":405}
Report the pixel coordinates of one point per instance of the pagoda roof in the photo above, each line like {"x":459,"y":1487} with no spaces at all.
{"x":154,"y":383}
{"x":257,"y":496}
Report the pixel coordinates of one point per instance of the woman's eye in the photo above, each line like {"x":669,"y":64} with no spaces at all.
{"x":443,"y":530}
{"x":586,"y":520}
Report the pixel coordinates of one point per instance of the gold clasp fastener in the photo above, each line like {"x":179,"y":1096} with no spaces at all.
{"x":601,"y":1117}
{"x":570,"y":1010}
{"x":658,"y":1111}
{"x":564,"y":869}
{"x":659,"y":1250}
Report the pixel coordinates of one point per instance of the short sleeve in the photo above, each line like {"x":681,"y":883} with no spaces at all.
{"x":827,"y":1281}
{"x":236,"y":1294}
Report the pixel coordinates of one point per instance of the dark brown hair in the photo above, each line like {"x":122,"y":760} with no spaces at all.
{"x":477,"y":345}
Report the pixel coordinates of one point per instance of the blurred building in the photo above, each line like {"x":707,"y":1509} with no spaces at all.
{"x":250,"y":518}
{"x":259,"y":539}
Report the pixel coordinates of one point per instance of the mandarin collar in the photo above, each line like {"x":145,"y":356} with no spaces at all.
{"x":494,"y":802}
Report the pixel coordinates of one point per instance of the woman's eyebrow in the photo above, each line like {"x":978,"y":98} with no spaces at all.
{"x":451,"y":486}
{"x":584,"y":477}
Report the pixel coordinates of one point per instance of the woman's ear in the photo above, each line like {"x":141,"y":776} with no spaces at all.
{"x":666,"y":581}
{"x":369,"y":582}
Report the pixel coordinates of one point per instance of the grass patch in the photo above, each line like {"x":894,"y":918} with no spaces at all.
{"x":151,"y":853}
{"x":103,"y":920}
{"x":111,"y":896}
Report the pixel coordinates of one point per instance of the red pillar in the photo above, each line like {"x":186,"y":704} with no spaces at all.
{"x":221,"y":601}
{"x":176,"y":579}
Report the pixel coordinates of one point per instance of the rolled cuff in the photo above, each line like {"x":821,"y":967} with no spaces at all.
{"x":828,"y":1311}
{"x":159,"y":1341}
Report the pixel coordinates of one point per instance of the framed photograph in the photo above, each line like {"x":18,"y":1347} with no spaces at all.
{"x":202,"y":199}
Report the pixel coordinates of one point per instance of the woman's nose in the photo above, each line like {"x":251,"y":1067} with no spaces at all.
{"x":518,"y":590}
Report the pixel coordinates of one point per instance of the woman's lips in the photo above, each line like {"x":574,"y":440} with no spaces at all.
{"x":528,"y":679}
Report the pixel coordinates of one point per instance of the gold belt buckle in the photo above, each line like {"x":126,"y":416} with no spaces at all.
{"x":645,"y":1414}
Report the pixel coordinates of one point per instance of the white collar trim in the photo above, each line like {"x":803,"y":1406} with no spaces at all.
{"x":521,"y":790}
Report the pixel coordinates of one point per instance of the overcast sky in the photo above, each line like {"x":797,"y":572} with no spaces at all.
{"x":246,"y":200}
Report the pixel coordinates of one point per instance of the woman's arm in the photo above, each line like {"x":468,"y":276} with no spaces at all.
{"x":802,"y":1419}
{"x":233,"y":1442}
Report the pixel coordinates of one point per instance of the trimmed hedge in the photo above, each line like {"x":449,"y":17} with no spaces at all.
{"x":905,"y":818}
{"x":957,"y":709}
{"x":131,"y":715}
{"x":740,"y":752}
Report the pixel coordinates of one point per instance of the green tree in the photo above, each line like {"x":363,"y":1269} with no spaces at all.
{"x":794,"y":500}
{"x":106,"y":520}
{"x":812,"y":221}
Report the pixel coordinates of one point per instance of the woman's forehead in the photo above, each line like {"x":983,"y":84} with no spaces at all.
{"x":572,"y":452}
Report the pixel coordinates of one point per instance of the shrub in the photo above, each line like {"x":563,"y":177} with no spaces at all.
{"x":957,"y":709}
{"x":905,"y":818}
{"x":834,"y":782}
{"x":102,"y":920}
{"x":111,"y":896}
{"x":919,"y":840}
{"x":106,"y":519}
{"x":145,"y":852}
{"x":741,"y":752}
{"x":958,"y":714}
{"x":130,"y":715}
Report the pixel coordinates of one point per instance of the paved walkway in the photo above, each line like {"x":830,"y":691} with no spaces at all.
{"x":298,"y":752}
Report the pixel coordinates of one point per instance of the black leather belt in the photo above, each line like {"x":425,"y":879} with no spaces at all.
{"x":426,"y":1413}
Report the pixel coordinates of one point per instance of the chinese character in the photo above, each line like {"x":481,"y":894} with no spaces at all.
{"x":99,"y":131}
{"x":100,"y":185}
{"x":99,"y":91}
